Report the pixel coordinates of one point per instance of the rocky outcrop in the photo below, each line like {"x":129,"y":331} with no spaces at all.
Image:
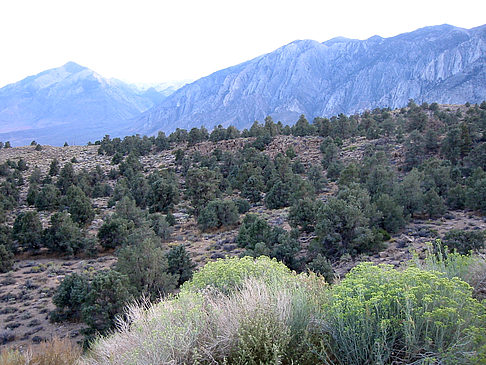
{"x":443,"y":64}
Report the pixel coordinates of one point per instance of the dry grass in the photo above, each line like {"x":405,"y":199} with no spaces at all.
{"x":260,"y":321}
{"x":477,"y":276}
{"x":54,"y":352}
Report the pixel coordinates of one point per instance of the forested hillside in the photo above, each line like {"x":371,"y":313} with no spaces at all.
{"x":134,"y":217}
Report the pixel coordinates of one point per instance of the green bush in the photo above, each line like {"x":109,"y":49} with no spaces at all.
{"x":229,"y":274}
{"x":36,"y":176}
{"x":108,"y":294}
{"x":114,"y":232}
{"x":180,"y":264}
{"x":456,"y":197}
{"x":70,"y":297}
{"x":303,"y":213}
{"x":343,"y":228}
{"x":334,"y":170}
{"x":330,"y":152}
{"x":381,"y":315}
{"x":128,"y":210}
{"x":79,"y":206}
{"x":314,"y":175}
{"x":27,"y":230}
{"x":66,"y":177}
{"x":6,"y":259}
{"x":147,"y":269}
{"x":217,"y":214}
{"x":252,"y":188}
{"x":322,"y":266}
{"x":258,"y":323}
{"x":160,"y":226}
{"x":279,"y":195}
{"x":164,"y":195}
{"x":434,"y":205}
{"x":202,"y":186}
{"x":242,"y":205}
{"x":64,"y":235}
{"x":47,"y":198}
{"x":392,"y":218}
{"x":259,"y":238}
{"x":54,"y":167}
{"x":464,"y":241}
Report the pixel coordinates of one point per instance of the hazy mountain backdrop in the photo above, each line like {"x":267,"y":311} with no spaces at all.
{"x":443,"y":64}
{"x":70,"y":103}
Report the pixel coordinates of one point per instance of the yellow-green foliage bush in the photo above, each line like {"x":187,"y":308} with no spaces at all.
{"x":256,"y":311}
{"x":228,"y":274}
{"x":380,"y":315}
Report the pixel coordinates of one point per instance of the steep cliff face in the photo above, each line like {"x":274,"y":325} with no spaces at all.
{"x":443,"y":63}
{"x":70,"y":103}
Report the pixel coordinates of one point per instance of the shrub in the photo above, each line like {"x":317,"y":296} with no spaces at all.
{"x":342,"y":227}
{"x":66,"y":177}
{"x":303,"y":213}
{"x":64,"y":235}
{"x":258,"y":324}
{"x":464,"y":241}
{"x":108,"y":295}
{"x":22,"y":165}
{"x":329,"y":151}
{"x":252,"y":188}
{"x":114,"y":232}
{"x":47,"y":198}
{"x":217,"y":214}
{"x":334,"y":170}
{"x":54,"y":167}
{"x":229,"y":274}
{"x":278,"y":196}
{"x":322,"y":266}
{"x":381,"y":315}
{"x":259,"y":238}
{"x":456,"y":197}
{"x":164,"y":195}
{"x":6,"y":238}
{"x":6,"y":259}
{"x":79,"y":205}
{"x":27,"y":230}
{"x":147,"y":269}
{"x":392,"y":218}
{"x":433,"y":204}
{"x":202,"y":186}
{"x":180,"y":264}
{"x":36,"y":176}
{"x":128,"y":210}
{"x":316,"y":178}
{"x":242,"y":205}
{"x":160,"y":226}
{"x":70,"y":297}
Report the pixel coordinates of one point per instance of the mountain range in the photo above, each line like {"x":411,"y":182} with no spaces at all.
{"x":443,"y":64}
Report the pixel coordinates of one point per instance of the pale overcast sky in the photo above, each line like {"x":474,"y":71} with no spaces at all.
{"x":148,"y":41}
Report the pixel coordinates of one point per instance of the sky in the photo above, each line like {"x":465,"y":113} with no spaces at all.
{"x":148,"y":41}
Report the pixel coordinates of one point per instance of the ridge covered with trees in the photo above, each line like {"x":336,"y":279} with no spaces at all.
{"x":346,"y":187}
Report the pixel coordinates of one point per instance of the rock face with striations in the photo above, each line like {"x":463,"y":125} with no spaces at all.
{"x":443,"y":64}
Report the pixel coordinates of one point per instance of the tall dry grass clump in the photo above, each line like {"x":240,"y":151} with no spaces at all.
{"x":257,"y":321}
{"x":54,"y":352}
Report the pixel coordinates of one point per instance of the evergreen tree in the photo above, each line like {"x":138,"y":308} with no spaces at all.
{"x":180,"y":264}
